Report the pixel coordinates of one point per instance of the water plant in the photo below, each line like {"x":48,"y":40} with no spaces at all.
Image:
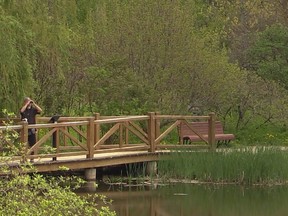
{"x":256,"y":165}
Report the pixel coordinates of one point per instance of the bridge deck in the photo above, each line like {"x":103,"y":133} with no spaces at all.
{"x":99,"y":160}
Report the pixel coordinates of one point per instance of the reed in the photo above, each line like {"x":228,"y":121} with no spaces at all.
{"x":261,"y":165}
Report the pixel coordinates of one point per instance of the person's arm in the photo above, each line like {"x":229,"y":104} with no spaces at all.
{"x":23,"y":108}
{"x":37,"y":107}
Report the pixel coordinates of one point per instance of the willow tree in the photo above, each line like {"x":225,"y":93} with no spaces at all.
{"x":16,"y":62}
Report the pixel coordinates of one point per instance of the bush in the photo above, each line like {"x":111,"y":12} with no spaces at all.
{"x":36,"y":195}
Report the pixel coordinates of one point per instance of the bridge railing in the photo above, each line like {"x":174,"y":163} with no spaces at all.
{"x":149,"y":129}
{"x":166,"y":124}
{"x":72,"y":136}
{"x":55,"y":135}
{"x":129,"y":132}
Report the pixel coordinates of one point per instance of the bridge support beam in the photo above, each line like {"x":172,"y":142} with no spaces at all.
{"x":90,"y":174}
{"x":151,"y":168}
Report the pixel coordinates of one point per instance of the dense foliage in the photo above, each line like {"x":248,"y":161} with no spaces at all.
{"x":77,"y":57}
{"x":36,"y":195}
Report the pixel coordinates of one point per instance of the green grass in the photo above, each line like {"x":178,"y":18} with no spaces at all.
{"x":243,"y":166}
{"x":273,"y":135}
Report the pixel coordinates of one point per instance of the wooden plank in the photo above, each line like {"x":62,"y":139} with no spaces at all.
{"x":41,"y":141}
{"x":51,"y":125}
{"x":79,"y":131}
{"x":90,"y":138}
{"x":123,"y":149}
{"x":61,"y":119}
{"x":167,"y":131}
{"x":151,"y":131}
{"x":192,"y":129}
{"x":137,"y":127}
{"x":107,"y":135}
{"x":181,"y":117}
{"x":59,"y":155}
{"x":121,"y":135}
{"x":11,"y":127}
{"x":97,"y":129}
{"x":107,"y":146}
{"x":83,"y":146}
{"x":192,"y":147}
{"x":122,"y":119}
{"x":67,"y":148}
{"x":137,"y":133}
{"x":97,"y":162}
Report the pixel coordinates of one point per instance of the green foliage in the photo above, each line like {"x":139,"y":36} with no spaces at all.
{"x":36,"y":195}
{"x":271,"y":134}
{"x":258,"y":127}
{"x":269,"y":54}
{"x":9,"y":138}
{"x":122,"y":58}
{"x":16,"y":61}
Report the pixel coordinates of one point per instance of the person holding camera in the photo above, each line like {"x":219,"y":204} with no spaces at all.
{"x":28,"y":113}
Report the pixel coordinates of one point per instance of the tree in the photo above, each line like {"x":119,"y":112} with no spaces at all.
{"x":269,"y":54}
{"x":16,"y":62}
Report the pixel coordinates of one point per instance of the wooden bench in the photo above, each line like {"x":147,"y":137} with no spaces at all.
{"x":187,"y":136}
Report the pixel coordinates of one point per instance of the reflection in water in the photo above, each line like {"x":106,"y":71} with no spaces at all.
{"x":197,"y":200}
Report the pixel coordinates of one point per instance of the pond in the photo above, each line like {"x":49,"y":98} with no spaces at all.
{"x":193,"y":199}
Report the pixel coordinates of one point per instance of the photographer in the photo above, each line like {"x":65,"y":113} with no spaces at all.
{"x":28,"y":112}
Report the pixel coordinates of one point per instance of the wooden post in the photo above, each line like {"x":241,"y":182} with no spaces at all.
{"x":55,"y":141}
{"x":97,"y":130}
{"x":151,"y":131}
{"x":57,"y":136}
{"x":121,"y":135}
{"x":64,"y":137}
{"x":211,"y":131}
{"x":90,"y":138}
{"x":24,"y":138}
{"x":179,"y":132}
{"x":24,"y":132}
{"x":126,"y":133}
{"x":157,"y":125}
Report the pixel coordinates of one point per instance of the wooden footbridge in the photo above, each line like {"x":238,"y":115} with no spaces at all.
{"x":99,"y":141}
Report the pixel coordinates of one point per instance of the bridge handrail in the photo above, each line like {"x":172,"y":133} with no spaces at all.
{"x":122,"y":119}
{"x":14,"y":127}
{"x":151,"y":136}
{"x":63,"y":119}
{"x":60,"y":124}
{"x":49,"y":125}
{"x":179,"y":117}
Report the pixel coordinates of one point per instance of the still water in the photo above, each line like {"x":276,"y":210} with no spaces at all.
{"x":197,"y":200}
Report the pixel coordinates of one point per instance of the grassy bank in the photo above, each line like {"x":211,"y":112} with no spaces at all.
{"x":242,"y":166}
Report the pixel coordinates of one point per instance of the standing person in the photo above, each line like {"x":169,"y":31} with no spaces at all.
{"x":28,"y":112}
